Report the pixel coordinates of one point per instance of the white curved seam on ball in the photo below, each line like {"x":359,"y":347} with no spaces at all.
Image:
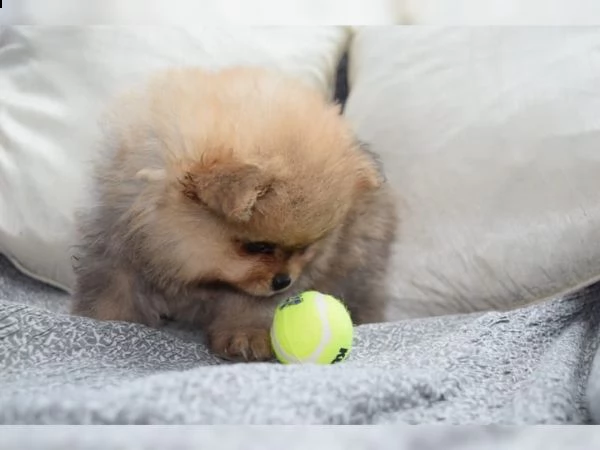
{"x":279,"y":349}
{"x":326,"y":331}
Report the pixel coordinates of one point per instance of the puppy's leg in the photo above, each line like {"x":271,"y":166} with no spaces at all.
{"x":109,"y":294}
{"x":366,"y":299}
{"x":365,"y":258}
{"x":363,"y":292}
{"x":239,"y":328}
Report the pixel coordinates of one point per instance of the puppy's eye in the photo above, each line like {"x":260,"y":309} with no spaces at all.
{"x":259,"y":248}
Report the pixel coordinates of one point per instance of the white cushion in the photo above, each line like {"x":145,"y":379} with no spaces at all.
{"x":500,"y":12}
{"x":492,"y":138}
{"x":56,"y":82}
{"x":194,"y":13}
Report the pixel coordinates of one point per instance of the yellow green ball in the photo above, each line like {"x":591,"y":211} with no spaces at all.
{"x":311,"y":328}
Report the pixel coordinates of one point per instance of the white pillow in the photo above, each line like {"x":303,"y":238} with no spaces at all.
{"x":56,"y":82}
{"x":492,"y":138}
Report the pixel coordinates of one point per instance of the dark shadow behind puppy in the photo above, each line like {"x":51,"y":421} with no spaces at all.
{"x":219,"y":194}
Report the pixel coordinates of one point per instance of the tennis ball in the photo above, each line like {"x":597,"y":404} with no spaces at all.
{"x":311,"y":328}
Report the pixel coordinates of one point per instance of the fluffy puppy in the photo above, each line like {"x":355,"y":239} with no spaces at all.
{"x":218,"y":194}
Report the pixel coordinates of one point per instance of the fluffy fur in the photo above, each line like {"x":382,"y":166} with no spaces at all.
{"x":218,"y":194}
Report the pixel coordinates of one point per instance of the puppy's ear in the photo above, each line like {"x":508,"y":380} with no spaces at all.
{"x":228,"y":188}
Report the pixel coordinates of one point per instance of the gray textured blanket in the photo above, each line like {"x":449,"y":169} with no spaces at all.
{"x":524,"y":366}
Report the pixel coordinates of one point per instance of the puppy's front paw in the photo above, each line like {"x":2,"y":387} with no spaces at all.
{"x":242,"y":344}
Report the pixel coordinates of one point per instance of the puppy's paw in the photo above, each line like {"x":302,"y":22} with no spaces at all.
{"x":242,"y":344}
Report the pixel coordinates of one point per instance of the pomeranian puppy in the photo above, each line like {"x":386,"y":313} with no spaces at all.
{"x":219,"y":194}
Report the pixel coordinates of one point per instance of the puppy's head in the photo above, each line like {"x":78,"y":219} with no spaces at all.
{"x":261,"y":189}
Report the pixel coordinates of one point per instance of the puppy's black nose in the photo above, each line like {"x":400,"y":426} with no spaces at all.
{"x":281,"y":281}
